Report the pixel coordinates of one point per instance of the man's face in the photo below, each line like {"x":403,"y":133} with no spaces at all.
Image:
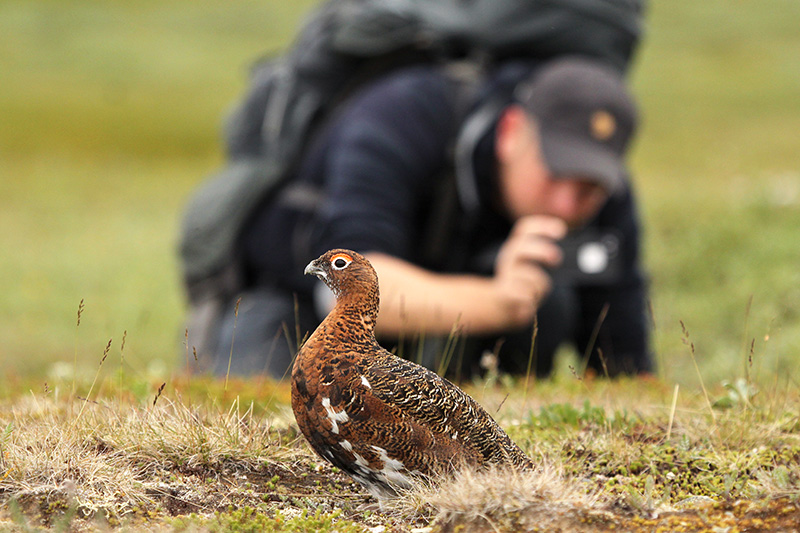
{"x":526,"y":185}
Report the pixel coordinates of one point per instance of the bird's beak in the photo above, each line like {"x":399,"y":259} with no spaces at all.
{"x":314,"y":268}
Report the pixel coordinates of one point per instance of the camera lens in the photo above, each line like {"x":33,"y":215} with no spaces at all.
{"x":592,"y":257}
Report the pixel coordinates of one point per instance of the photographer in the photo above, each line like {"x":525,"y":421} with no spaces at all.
{"x":464,"y":220}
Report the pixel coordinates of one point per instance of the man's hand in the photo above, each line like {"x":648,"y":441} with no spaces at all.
{"x":520,"y":278}
{"x":414,"y":299}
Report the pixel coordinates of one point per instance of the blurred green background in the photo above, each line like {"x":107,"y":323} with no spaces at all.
{"x":110,"y":114}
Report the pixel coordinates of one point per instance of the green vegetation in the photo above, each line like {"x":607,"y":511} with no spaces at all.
{"x":717,"y":169}
{"x":250,"y":520}
{"x":111,"y":113}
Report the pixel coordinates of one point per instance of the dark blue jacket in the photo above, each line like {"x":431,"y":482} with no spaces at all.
{"x":373,"y":180}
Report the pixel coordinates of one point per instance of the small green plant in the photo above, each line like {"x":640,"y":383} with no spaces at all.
{"x":644,"y":501}
{"x":565,"y":414}
{"x":738,"y":393}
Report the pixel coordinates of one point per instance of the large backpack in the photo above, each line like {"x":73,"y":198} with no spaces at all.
{"x":343,"y":44}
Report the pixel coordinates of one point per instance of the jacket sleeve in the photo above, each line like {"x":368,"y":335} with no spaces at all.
{"x":382,"y":155}
{"x":615,"y":319}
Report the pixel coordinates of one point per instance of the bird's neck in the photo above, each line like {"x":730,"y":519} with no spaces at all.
{"x":356,"y":313}
{"x":360,"y":310}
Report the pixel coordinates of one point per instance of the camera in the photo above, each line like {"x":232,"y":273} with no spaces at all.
{"x":591,"y":256}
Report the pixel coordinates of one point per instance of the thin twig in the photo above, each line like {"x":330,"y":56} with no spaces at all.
{"x":593,"y":338}
{"x":672,"y":411}
{"x":233,"y":339}
{"x":697,"y":369}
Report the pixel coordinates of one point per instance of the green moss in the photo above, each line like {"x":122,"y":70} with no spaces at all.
{"x":251,"y":520}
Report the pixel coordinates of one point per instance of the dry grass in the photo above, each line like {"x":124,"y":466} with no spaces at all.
{"x":506,"y":500}
{"x":612,"y":467}
{"x":114,"y":459}
{"x":605,"y":462}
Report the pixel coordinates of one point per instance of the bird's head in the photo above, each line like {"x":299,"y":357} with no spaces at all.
{"x":348,"y":274}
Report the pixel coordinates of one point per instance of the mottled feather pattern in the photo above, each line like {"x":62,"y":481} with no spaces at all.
{"x":380,"y":418}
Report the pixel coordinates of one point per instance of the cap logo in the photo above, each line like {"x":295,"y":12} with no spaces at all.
{"x":602,"y":124}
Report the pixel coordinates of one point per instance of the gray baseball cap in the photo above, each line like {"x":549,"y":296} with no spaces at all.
{"x":586,"y":118}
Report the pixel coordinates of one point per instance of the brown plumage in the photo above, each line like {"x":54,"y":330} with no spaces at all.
{"x":380,"y":418}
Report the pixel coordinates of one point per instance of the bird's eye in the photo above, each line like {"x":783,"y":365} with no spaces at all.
{"x":340,"y":261}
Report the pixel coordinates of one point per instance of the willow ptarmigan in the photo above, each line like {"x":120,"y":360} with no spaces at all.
{"x":380,"y":418}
